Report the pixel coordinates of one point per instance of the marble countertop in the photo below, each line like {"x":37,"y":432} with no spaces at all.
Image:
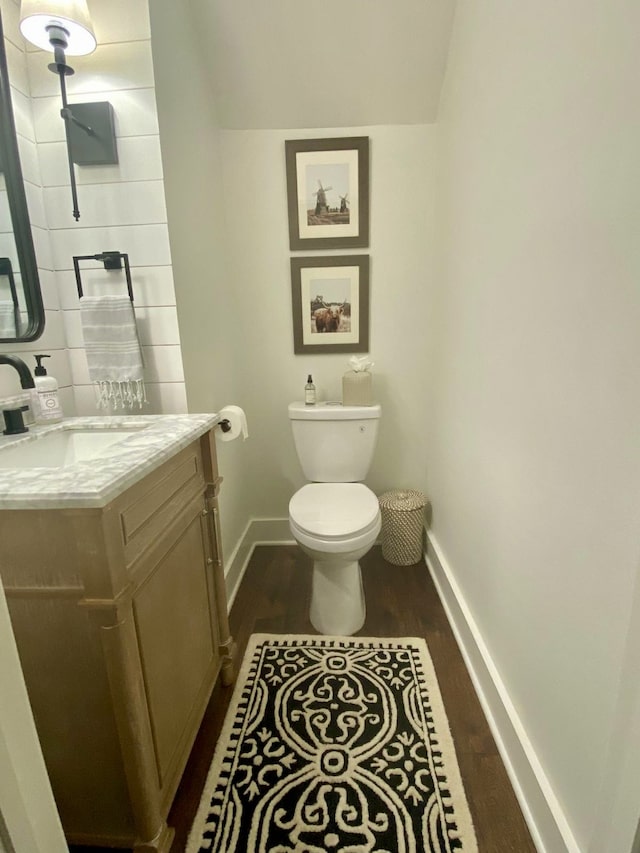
{"x":94,"y":483}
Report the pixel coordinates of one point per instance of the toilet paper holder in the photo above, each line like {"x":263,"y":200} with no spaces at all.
{"x":232,"y":423}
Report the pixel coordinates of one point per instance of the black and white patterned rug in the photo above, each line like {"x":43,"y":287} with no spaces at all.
{"x":334,"y":745}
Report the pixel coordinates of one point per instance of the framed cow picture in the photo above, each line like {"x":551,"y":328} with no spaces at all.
{"x":328,"y":192}
{"x":330,"y":302}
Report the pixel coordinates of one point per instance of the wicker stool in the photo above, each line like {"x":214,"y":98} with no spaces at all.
{"x":402,"y":513}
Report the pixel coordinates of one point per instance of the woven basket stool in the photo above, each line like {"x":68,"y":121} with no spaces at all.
{"x":402,"y":513}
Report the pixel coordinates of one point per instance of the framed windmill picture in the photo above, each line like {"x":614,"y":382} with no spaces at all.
{"x":328,"y":192}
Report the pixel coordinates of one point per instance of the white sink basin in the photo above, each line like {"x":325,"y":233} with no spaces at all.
{"x":63,"y":448}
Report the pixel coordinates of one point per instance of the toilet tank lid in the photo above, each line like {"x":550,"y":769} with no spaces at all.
{"x":329,"y":411}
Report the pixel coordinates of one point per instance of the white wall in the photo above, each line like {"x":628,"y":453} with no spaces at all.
{"x":533,"y":458}
{"x":208,"y":317}
{"x":402,"y":203}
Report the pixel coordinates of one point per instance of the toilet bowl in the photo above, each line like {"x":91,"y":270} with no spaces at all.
{"x":335,"y":524}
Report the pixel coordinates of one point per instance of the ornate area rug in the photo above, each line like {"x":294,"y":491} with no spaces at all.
{"x":334,"y":745}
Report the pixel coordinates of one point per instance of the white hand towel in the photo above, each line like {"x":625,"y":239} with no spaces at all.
{"x":113,"y":350}
{"x":7,"y":319}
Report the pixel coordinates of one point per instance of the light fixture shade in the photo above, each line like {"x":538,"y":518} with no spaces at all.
{"x":71,"y":15}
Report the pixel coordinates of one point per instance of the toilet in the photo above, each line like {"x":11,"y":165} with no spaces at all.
{"x":335,"y":518}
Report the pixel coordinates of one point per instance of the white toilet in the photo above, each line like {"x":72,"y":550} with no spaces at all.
{"x":335,"y":518}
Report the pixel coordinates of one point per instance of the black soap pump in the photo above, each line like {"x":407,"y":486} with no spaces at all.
{"x":309,"y":392}
{"x":47,"y":391}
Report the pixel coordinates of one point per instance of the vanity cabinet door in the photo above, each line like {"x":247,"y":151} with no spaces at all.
{"x":177,"y":638}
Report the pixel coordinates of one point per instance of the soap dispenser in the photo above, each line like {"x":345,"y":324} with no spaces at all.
{"x":47,"y":391}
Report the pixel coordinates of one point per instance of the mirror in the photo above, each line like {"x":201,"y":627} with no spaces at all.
{"x":21,"y":308}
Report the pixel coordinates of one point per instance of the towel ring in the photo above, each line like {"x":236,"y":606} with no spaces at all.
{"x":111,"y":261}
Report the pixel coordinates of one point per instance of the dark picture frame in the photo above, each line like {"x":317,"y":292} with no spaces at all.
{"x":330,"y":304}
{"x":328,"y":192}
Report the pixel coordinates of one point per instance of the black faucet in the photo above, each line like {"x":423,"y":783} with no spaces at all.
{"x":26,"y":379}
{"x":14,"y":423}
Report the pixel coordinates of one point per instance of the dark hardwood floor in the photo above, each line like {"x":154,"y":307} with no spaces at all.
{"x":401,"y":601}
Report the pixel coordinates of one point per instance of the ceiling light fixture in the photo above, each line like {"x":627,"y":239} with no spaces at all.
{"x":64,"y":27}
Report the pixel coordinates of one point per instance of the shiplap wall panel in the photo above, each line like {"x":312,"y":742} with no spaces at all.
{"x":122,"y":206}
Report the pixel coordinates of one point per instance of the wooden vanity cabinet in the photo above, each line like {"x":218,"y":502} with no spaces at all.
{"x":120,"y":619}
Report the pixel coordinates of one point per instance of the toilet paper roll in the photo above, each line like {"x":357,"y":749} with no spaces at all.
{"x":237,"y":421}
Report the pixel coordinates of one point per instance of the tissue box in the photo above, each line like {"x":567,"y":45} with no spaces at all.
{"x":356,"y":389}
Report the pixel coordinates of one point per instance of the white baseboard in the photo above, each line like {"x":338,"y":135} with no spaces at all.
{"x":259,"y":531}
{"x":542,"y":811}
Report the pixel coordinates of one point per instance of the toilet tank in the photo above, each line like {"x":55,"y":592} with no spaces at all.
{"x":335,"y":443}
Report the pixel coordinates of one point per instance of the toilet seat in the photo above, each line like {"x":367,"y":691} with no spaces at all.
{"x":333,"y":512}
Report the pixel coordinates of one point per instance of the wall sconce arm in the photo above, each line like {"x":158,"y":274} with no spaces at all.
{"x":61,"y":68}
{"x":67,"y":115}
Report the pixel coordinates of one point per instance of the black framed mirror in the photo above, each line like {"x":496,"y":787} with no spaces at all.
{"x":21,"y":307}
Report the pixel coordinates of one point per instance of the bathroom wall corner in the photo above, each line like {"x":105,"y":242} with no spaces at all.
{"x":259,"y":531}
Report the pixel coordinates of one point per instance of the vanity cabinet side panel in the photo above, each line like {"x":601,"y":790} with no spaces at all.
{"x":209,"y":457}
{"x":214,"y":482}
